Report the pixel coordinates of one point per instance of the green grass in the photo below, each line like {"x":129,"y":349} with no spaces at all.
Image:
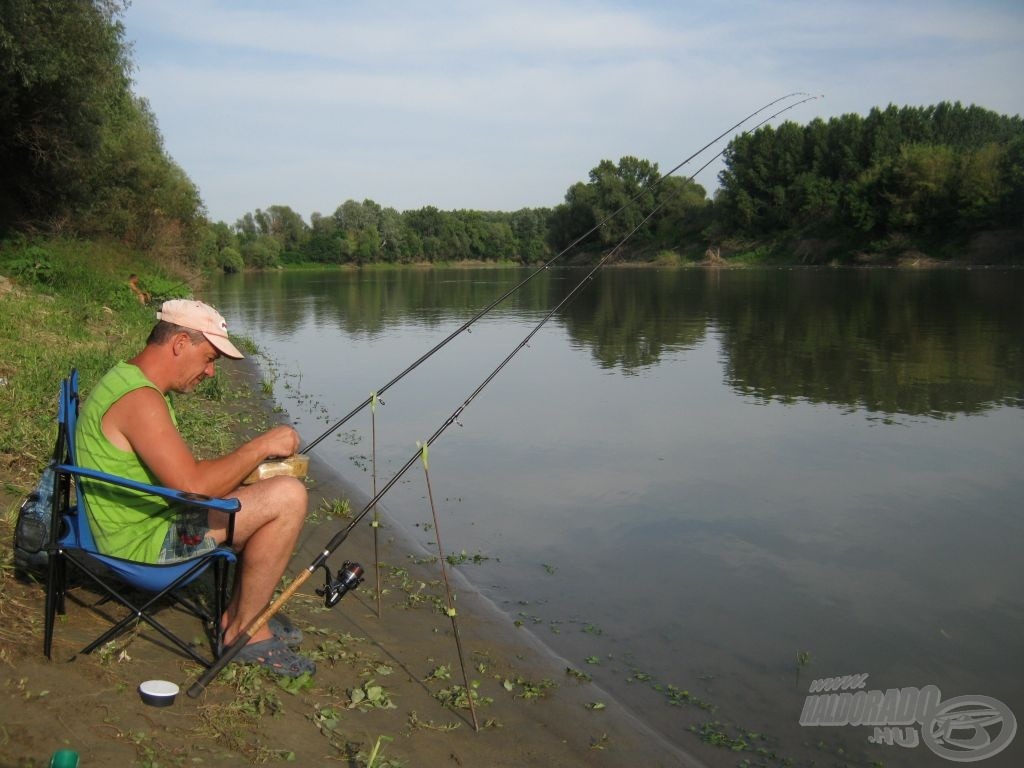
{"x":66,"y":304}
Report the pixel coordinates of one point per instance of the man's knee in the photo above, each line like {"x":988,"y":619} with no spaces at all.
{"x":276,"y":499}
{"x":289,"y":496}
{"x":291,"y":487}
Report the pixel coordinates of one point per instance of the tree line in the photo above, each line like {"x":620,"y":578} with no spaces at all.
{"x":364,"y":233}
{"x":81,"y":155}
{"x":922,"y":171}
{"x":909,"y":175}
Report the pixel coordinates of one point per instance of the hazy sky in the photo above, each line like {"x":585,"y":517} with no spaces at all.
{"x":497,"y":106}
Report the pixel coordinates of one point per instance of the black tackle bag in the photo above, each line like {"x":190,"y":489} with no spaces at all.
{"x":32,"y":532}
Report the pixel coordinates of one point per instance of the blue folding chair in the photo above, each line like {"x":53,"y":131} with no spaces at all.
{"x":139,"y":587}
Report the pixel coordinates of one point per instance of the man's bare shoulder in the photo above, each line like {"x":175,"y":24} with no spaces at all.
{"x":142,"y":397}
{"x":144,"y":405}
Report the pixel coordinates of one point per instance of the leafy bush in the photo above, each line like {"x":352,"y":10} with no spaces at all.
{"x":231,"y":260}
{"x":32,"y":264}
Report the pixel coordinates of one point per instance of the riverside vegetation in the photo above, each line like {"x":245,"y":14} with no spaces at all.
{"x":83,"y":157}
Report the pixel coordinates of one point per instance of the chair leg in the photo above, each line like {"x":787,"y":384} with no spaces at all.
{"x":142,"y":613}
{"x":54,"y":598}
{"x":138,"y":613}
{"x":62,"y":584}
{"x":220,"y":593}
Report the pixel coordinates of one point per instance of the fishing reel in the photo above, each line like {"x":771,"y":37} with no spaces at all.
{"x":350,"y":576}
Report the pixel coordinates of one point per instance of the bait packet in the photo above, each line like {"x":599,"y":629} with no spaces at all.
{"x":294,"y":466}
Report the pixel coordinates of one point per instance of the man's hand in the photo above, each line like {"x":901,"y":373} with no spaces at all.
{"x":279,"y":442}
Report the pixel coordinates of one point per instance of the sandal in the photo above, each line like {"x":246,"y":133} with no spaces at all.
{"x":274,"y":655}
{"x":285,"y":631}
{"x":282,"y":628}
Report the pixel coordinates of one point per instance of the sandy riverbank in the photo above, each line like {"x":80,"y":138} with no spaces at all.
{"x":531,"y":711}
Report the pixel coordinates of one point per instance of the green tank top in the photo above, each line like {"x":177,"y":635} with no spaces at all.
{"x":125,"y":523}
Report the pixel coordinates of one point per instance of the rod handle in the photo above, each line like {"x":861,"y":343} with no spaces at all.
{"x":246,"y":635}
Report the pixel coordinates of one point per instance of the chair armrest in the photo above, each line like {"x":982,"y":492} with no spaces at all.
{"x":229,"y":506}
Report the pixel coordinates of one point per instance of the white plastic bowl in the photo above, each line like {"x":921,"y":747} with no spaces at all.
{"x":158,"y":693}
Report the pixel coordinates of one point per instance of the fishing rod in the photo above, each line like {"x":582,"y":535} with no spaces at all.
{"x":546,"y":265}
{"x":350,"y":575}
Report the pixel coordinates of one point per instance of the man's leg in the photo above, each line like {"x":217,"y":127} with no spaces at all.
{"x":266,"y":529}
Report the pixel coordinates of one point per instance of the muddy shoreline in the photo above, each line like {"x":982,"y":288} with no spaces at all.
{"x":558,"y":728}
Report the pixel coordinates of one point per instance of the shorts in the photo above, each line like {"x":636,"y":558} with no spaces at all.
{"x":188,"y":536}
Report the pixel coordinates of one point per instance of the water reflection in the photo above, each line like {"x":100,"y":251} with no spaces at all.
{"x":370,"y":301}
{"x":630,"y":320}
{"x":918,"y":343}
{"x":931,"y":343}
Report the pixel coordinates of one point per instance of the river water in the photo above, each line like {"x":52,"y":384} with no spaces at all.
{"x":725,"y":482}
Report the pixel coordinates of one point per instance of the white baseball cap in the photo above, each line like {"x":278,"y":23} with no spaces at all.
{"x":203,"y":318}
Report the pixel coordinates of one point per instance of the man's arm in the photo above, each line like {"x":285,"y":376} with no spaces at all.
{"x":141,"y":422}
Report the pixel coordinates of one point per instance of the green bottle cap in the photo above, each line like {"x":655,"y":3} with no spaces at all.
{"x":64,"y":758}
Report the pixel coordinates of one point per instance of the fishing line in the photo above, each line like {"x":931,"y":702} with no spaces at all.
{"x":350,"y":575}
{"x":546,"y":265}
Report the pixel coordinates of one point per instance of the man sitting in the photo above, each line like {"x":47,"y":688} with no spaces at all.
{"x":127,"y":427}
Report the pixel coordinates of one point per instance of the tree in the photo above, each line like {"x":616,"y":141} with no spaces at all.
{"x":322,"y":243}
{"x":231,"y":260}
{"x":623,"y":197}
{"x":442,"y":235}
{"x":571,"y":220}
{"x":920,"y":188}
{"x":393,"y":236}
{"x":79,"y":152}
{"x":246,"y":227}
{"x":263,"y":251}
{"x":63,"y":66}
{"x":980,"y":187}
{"x":1011,"y":171}
{"x":353,"y":217}
{"x":138,"y":194}
{"x":287,"y":227}
{"x":529,"y":227}
{"x":681,"y":204}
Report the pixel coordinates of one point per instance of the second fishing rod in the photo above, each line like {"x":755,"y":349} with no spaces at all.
{"x":350,"y":575}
